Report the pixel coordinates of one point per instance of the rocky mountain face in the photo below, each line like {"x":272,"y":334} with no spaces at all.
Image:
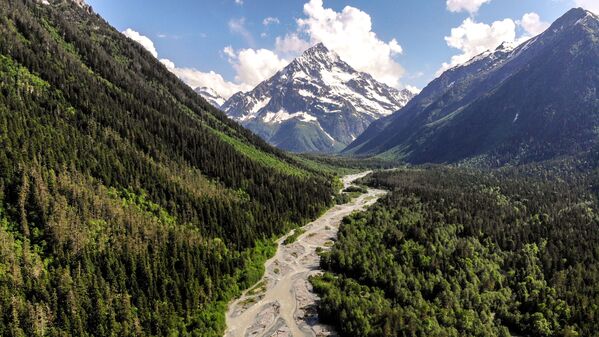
{"x":512,"y":105}
{"x":211,"y":96}
{"x":318,"y":103}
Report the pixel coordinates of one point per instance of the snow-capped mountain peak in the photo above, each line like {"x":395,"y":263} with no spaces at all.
{"x":211,"y":96}
{"x":320,"y":94}
{"x":318,"y":55}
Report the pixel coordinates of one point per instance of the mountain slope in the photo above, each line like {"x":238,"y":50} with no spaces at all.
{"x":534,"y":102}
{"x":317,"y":103}
{"x":210,"y":96}
{"x":128,"y":205}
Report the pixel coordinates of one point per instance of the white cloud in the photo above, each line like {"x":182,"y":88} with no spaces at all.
{"x":254,"y":66}
{"x":142,"y":40}
{"x":239,"y":2}
{"x":291,"y":44}
{"x":473,"y":38}
{"x":591,"y":5}
{"x":349,"y":33}
{"x":470,"y":6}
{"x":196,"y":78}
{"x":229,"y":51}
{"x":170,"y":65}
{"x":238,"y":26}
{"x":532,"y":24}
{"x":270,"y":21}
{"x":251,"y":67}
{"x":413,"y":89}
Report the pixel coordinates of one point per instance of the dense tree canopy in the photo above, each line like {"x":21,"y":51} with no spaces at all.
{"x":128,"y":205}
{"x":464,"y":252}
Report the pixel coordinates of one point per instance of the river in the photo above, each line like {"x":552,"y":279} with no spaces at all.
{"x":282,"y":303}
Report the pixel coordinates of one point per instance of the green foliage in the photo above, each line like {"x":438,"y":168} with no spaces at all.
{"x":340,"y":165}
{"x":356,"y":189}
{"x":459,"y":252}
{"x":128,"y":205}
{"x":293,"y":236}
{"x":264,"y":158}
{"x":349,"y":193}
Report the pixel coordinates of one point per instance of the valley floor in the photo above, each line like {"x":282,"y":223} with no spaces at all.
{"x":282,"y":303}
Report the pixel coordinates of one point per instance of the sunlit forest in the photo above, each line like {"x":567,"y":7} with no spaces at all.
{"x":467,"y":252}
{"x":128,"y":205}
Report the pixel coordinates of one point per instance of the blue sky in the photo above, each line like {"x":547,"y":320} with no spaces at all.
{"x":228,"y":45}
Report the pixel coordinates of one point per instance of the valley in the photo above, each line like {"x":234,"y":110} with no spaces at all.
{"x":282,"y":302}
{"x":216,"y":192}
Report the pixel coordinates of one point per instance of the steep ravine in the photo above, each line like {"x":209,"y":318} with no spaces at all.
{"x":282,"y":303}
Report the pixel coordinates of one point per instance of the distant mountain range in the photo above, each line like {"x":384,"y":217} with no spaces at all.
{"x":318,"y":103}
{"x":211,"y":96}
{"x":512,"y":105}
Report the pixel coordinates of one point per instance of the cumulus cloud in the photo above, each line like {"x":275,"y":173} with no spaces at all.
{"x":192,"y":77}
{"x":142,"y":40}
{"x":349,"y":33}
{"x":532,"y":24}
{"x":251,"y":67}
{"x":473,"y":38}
{"x":270,"y":21}
{"x":170,"y":65}
{"x":254,"y":66}
{"x":291,"y":44}
{"x":470,"y":6}
{"x":196,"y":78}
{"x":591,"y":5}
{"x":413,"y":89}
{"x":239,"y":2}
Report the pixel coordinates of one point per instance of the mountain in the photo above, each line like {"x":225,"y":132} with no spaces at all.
{"x":318,"y":103}
{"x":211,"y":96}
{"x":129,"y":206}
{"x":512,"y":105}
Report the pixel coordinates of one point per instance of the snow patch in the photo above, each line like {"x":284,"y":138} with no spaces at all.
{"x":282,"y":115}
{"x":588,"y":15}
{"x":326,"y":133}
{"x":260,"y":104}
{"x":305,"y":93}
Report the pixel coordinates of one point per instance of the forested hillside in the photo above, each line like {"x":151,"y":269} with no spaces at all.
{"x":459,"y":252}
{"x":128,"y":205}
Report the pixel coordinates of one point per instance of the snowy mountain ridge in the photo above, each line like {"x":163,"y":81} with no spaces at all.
{"x":319,"y":100}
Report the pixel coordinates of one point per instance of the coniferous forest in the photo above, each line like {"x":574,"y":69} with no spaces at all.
{"x":128,"y":205}
{"x":466,"y":252}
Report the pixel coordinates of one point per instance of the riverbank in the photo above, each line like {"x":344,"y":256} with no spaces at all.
{"x":282,"y":303}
